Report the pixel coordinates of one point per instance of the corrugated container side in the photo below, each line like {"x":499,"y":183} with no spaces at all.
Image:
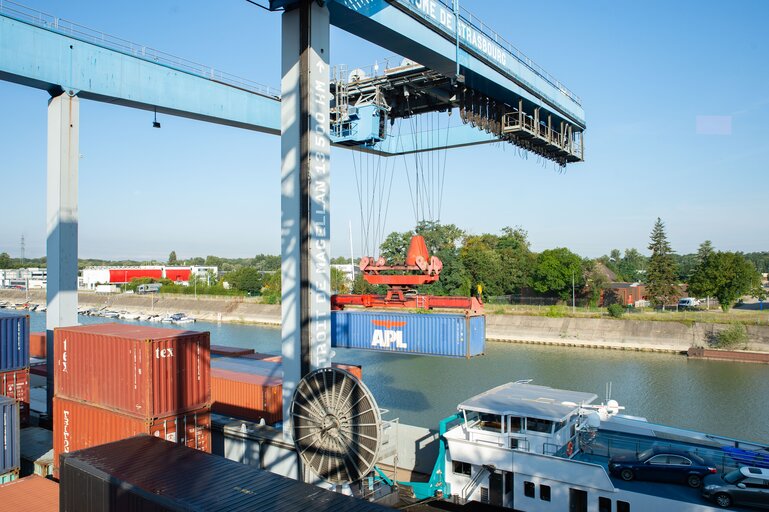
{"x":15,"y":384}
{"x":10,"y":444}
{"x":224,"y":350}
{"x":14,"y":341}
{"x":80,"y":425}
{"x":37,"y":345}
{"x":148,"y":372}
{"x":271,"y":358}
{"x":145,"y":474}
{"x":448,"y":335}
{"x":30,"y":493}
{"x":246,"y":395}
{"x":252,"y":366}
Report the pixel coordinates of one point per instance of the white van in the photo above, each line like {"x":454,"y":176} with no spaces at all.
{"x":688,"y":302}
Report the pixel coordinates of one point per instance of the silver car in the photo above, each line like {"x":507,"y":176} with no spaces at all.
{"x":745,"y":486}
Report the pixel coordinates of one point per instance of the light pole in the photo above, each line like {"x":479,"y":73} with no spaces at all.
{"x":572,"y":293}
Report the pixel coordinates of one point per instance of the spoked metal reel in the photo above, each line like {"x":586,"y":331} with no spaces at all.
{"x":336,"y":425}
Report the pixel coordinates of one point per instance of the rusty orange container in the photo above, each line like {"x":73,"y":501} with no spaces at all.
{"x":15,"y":384}
{"x":249,"y":396}
{"x":147,"y":372}
{"x":227,"y":351}
{"x":37,"y":345}
{"x":78,"y":425}
{"x":355,"y":369}
{"x":30,"y":493}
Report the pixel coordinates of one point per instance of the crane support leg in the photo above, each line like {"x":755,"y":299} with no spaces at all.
{"x":61,"y":220}
{"x":305,"y":164}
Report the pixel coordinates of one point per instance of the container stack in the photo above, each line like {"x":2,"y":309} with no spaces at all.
{"x":250,"y":387}
{"x":14,"y":360}
{"x":30,"y":493}
{"x":10,"y":445}
{"x":143,"y":474}
{"x":114,"y":381}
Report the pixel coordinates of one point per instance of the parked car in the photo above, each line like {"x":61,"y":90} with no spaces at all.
{"x":688,"y":303}
{"x":662,"y":465}
{"x":745,"y":486}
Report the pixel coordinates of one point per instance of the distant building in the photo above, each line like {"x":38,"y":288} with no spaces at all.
{"x":24,"y":278}
{"x":625,"y":294}
{"x":93,"y":276}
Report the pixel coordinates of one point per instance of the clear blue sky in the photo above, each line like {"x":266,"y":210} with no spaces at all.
{"x":644,"y":70}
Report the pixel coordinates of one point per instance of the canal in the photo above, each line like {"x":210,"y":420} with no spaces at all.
{"x":723,"y":398}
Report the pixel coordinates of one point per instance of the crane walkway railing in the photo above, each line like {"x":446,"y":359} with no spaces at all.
{"x":68,"y":28}
{"x":475,"y":23}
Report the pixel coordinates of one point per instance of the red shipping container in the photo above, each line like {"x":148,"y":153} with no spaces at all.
{"x":247,"y":396}
{"x":147,"y":372}
{"x":37,"y":345}
{"x":224,"y":350}
{"x":15,"y":384}
{"x":78,"y":425}
{"x":356,"y":370}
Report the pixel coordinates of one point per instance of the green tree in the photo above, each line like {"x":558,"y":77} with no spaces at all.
{"x":271,"y":291}
{"x":555,"y":270}
{"x":726,"y":276}
{"x":632,"y":266}
{"x":5,"y":260}
{"x":246,"y":279}
{"x":214,"y":261}
{"x":705,"y":250}
{"x":661,"y":271}
{"x":395,"y":246}
{"x":339,"y":281}
{"x":266,"y":262}
{"x":517,"y":260}
{"x":596,"y":282}
{"x":483,"y":263}
{"x":172,"y":258}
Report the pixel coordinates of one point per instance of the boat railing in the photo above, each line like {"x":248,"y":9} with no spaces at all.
{"x":610,"y":445}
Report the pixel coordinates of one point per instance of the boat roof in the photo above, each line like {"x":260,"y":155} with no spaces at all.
{"x":521,"y":399}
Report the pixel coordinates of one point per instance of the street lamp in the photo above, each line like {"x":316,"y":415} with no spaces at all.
{"x":572,"y":293}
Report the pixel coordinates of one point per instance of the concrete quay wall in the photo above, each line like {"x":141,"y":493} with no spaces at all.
{"x":581,"y":332}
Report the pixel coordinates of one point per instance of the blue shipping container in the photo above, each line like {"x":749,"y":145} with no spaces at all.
{"x":14,"y":341}
{"x":410,"y":333}
{"x":10,"y":432}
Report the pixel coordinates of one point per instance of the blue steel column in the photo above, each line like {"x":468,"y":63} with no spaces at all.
{"x":305,"y":152}
{"x":61,"y":215}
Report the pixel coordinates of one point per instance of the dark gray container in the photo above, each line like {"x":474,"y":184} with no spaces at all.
{"x":148,"y":474}
{"x":10,"y":445}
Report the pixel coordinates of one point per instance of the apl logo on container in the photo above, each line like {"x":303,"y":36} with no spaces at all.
{"x":388,"y":336}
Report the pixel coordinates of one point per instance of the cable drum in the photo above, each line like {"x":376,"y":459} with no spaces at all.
{"x":336,"y":425}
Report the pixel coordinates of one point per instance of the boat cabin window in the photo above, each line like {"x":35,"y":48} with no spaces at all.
{"x":515,"y":424}
{"x":461,"y":468}
{"x":537,"y":425}
{"x":484,"y":421}
{"x":560,"y":425}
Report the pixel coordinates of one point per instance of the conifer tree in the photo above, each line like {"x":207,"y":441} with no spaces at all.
{"x":661,"y":271}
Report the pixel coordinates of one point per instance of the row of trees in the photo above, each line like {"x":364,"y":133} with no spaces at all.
{"x":504,"y":264}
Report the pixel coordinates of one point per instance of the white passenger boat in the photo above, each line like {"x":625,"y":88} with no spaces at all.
{"x":536,"y":448}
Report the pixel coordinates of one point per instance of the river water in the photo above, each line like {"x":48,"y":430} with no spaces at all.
{"x":724,"y":398}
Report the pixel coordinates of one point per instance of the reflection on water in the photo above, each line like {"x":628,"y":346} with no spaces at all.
{"x":719,"y":397}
